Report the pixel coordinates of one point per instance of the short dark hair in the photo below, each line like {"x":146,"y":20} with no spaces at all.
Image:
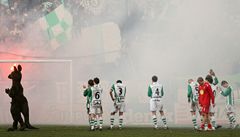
{"x":119,"y":81}
{"x":154,"y":78}
{"x":200,"y":79}
{"x":90,"y":82}
{"x":224,"y":82}
{"x":209,"y":78}
{"x":96,"y":80}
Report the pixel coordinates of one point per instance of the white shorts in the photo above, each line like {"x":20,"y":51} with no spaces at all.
{"x":121,"y":107}
{"x":95,"y":110}
{"x":156,"y":105}
{"x":229,"y":109}
{"x":212,"y":109}
{"x":194,"y":107}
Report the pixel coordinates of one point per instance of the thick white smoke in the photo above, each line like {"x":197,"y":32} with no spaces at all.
{"x":173,"y":39}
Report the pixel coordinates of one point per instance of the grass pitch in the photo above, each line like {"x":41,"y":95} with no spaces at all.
{"x":80,"y":131}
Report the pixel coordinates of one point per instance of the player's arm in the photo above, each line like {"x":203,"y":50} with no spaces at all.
{"x":111,"y":95}
{"x":226,"y":92}
{"x":149,"y":91}
{"x":125,"y":91}
{"x":215,"y":81}
{"x":189,"y":94}
{"x":211,"y":94}
{"x":89,"y":93}
{"x":85,"y":93}
{"x":162,"y":93}
{"x":111,"y":92}
{"x":199,"y":97}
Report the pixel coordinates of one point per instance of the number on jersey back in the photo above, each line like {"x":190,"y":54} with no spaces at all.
{"x":96,"y":95}
{"x":119,"y":92}
{"x":195,"y":89}
{"x":156,"y":90}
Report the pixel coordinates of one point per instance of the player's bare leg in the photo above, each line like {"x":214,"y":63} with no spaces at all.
{"x":204,"y":119}
{"x":210,"y":127}
{"x":154,"y":118}
{"x":164,"y":120}
{"x":206,"y":122}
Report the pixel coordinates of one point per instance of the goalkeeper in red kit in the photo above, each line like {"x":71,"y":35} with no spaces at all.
{"x":206,"y":97}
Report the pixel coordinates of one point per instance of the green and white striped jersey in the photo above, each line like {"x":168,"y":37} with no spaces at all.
{"x":94,"y":95}
{"x":214,"y":89}
{"x":155,"y":90}
{"x":193,"y":91}
{"x":119,"y":91}
{"x":215,"y":80}
{"x":85,"y":94}
{"x":228,"y":93}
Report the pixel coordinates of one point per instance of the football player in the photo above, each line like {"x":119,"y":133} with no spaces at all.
{"x":118,"y":94}
{"x":155,"y":92}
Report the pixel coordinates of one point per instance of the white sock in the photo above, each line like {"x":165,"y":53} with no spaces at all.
{"x":120,"y":121}
{"x":112,"y":121}
{"x":194,"y":120}
{"x":154,"y":118}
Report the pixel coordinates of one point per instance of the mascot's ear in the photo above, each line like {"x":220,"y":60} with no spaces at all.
{"x":15,"y":68}
{"x":19,"y":68}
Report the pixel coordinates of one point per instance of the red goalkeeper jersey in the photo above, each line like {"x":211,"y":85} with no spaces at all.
{"x":205,"y":94}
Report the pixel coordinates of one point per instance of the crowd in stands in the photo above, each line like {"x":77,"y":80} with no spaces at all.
{"x":15,"y":16}
{"x":19,"y":14}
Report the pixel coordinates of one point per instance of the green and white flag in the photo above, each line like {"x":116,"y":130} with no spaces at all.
{"x":4,"y":2}
{"x":58,"y":26}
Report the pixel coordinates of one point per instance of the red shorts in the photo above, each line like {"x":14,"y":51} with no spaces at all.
{"x":205,"y":109}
